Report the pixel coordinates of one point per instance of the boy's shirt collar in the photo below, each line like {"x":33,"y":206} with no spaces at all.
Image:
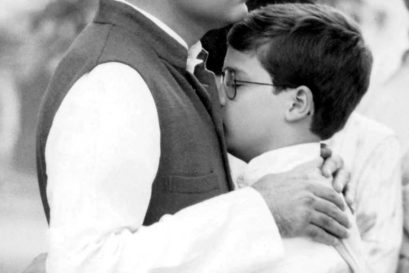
{"x":277,"y":161}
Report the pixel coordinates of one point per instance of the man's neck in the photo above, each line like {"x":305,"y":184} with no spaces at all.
{"x":191,"y":32}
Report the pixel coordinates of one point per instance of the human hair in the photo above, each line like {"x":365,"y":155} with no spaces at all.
{"x":215,"y":41}
{"x":310,"y":45}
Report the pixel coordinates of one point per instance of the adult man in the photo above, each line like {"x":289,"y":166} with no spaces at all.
{"x":128,"y":134}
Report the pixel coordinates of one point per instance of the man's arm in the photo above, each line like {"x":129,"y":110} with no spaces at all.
{"x":102,"y":156}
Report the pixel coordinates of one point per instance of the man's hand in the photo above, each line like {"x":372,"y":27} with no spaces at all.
{"x":333,"y":168}
{"x":303,"y":203}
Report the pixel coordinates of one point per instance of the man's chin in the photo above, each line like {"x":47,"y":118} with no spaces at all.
{"x":241,"y":13}
{"x":237,"y":15}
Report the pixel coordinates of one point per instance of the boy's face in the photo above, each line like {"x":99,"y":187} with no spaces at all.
{"x":256,"y":114}
{"x":213,"y":13}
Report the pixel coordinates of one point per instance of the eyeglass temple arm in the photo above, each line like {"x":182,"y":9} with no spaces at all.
{"x":259,"y":83}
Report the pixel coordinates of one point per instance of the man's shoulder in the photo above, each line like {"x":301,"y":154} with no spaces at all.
{"x":99,"y":43}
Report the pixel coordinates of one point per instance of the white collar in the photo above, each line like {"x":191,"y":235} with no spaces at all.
{"x":279,"y":160}
{"x":193,"y":51}
{"x":192,"y":58}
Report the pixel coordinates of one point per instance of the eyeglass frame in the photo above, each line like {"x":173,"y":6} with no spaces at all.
{"x":235,"y":81}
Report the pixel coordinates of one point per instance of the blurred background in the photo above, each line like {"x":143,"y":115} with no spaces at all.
{"x":34,"y":36}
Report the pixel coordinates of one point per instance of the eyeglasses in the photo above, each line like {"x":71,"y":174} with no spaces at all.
{"x":230,"y":83}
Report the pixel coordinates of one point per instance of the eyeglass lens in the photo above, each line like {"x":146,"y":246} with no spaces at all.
{"x":229,"y":83}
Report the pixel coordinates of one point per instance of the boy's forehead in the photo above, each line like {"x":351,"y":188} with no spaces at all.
{"x":240,"y":61}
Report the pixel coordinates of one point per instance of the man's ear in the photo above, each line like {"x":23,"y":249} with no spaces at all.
{"x":301,"y":104}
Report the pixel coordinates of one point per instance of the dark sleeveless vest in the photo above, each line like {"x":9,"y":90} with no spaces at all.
{"x":193,"y":163}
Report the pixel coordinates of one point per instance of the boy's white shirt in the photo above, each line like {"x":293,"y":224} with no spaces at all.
{"x":302,"y":254}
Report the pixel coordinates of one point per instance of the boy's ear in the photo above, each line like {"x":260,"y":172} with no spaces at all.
{"x":301,"y":104}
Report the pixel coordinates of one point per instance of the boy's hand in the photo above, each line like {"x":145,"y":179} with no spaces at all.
{"x":303,"y":204}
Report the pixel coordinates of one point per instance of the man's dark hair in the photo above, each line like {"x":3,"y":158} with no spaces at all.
{"x":311,"y":45}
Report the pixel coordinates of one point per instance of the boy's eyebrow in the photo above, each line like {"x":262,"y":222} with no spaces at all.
{"x":237,"y":70}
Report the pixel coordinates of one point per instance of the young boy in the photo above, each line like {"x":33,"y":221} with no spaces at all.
{"x":292,"y":75}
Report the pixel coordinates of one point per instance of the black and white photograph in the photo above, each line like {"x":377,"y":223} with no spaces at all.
{"x":204,"y":136}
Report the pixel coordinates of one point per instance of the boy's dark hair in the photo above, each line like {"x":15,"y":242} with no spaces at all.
{"x":215,"y":41}
{"x":311,"y":45}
